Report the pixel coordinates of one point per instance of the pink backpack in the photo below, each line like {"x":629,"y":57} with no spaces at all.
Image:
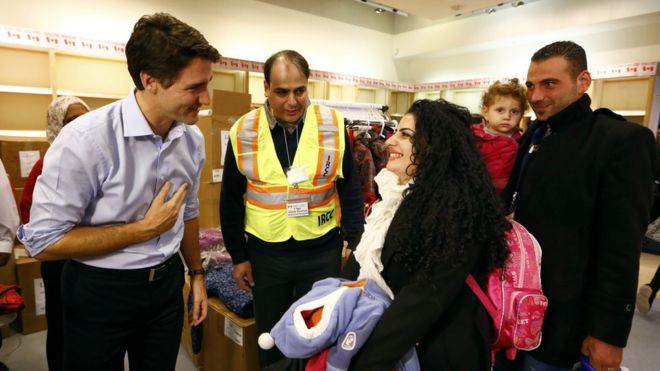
{"x":514,"y":298}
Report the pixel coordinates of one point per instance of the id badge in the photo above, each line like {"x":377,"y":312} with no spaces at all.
{"x":297,"y":206}
{"x":296,"y":174}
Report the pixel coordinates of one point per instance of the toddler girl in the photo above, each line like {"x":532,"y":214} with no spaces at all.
{"x":502,"y":107}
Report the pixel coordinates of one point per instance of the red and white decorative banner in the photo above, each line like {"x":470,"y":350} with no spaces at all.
{"x":626,"y":70}
{"x":25,"y":37}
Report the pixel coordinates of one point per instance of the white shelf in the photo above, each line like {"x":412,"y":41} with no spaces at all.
{"x":23,"y":133}
{"x":25,"y":90}
{"x":631,"y":113}
{"x":90,"y":95}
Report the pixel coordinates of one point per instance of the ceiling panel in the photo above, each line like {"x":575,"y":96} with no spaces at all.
{"x":440,"y":9}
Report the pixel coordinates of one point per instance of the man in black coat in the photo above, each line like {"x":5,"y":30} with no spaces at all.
{"x":582,"y":184}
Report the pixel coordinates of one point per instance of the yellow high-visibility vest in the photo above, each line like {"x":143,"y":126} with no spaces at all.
{"x":320,"y":151}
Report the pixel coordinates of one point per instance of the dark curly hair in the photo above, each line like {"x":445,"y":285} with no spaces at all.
{"x":451,"y":206}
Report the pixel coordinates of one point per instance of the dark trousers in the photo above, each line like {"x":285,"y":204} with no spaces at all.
{"x":111,"y":312}
{"x":51,"y":272}
{"x":281,"y":279}
{"x":504,"y":364}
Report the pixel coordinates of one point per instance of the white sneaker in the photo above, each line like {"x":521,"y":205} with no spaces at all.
{"x":643,"y":297}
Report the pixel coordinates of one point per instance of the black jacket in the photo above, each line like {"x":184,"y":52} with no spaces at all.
{"x":585,"y":195}
{"x":439,"y":315}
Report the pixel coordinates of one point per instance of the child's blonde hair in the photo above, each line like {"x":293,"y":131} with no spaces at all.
{"x":511,"y":89}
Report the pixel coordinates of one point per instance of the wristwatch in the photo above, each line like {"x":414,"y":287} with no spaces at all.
{"x":196,"y":272}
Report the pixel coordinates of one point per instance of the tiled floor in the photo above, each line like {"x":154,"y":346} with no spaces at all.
{"x":27,"y":353}
{"x":643,"y":350}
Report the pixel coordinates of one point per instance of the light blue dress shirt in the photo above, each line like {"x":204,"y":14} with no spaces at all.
{"x":104,"y":169}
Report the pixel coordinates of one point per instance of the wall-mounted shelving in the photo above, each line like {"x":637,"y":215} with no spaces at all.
{"x":631,"y":97}
{"x":32,"y":75}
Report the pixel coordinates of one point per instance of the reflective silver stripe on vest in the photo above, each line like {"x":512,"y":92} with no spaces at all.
{"x":329,"y":138}
{"x":248,"y":140}
{"x":277,"y":200}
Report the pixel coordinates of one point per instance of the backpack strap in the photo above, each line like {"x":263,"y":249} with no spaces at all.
{"x":483,"y":298}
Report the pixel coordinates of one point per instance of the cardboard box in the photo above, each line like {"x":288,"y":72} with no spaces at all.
{"x":229,"y":342}
{"x":28,"y":277}
{"x":227,"y":108}
{"x":209,"y":205}
{"x":19,"y":154}
{"x":212,"y":142}
{"x":229,"y":103}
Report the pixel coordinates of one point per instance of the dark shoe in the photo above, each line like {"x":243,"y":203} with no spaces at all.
{"x":644,"y":299}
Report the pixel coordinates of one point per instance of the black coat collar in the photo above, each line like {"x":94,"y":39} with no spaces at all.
{"x":576,"y":111}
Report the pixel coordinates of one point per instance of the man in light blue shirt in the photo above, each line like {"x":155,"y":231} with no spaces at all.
{"x":118,"y":196}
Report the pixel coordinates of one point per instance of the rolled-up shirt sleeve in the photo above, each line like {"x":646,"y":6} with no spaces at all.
{"x":191,"y":209}
{"x":71,"y":177}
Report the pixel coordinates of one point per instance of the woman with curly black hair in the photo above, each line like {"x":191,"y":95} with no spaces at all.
{"x":440,"y":220}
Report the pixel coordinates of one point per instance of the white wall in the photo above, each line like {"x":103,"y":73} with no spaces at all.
{"x":243,"y":29}
{"x":501,"y":44}
{"x":486,"y":46}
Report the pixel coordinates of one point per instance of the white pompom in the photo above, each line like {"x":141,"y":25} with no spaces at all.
{"x":266,"y":341}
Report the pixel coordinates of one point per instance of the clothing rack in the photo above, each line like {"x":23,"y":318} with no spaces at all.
{"x":357,"y":111}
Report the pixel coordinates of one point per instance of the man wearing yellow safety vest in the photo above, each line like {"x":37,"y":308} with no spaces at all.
{"x":290,"y":194}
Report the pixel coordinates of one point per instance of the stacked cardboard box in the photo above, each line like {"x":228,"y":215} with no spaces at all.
{"x":229,"y":343}
{"x":227,"y":108}
{"x":18,"y":154}
{"x":28,"y":277}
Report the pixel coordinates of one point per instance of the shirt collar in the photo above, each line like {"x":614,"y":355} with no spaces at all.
{"x":136,"y":125}
{"x":272,"y":121}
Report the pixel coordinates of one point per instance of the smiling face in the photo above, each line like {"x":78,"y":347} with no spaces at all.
{"x":182,"y":100}
{"x":503,"y":115}
{"x":286,"y":92}
{"x":400,"y":149}
{"x":551,"y":86}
